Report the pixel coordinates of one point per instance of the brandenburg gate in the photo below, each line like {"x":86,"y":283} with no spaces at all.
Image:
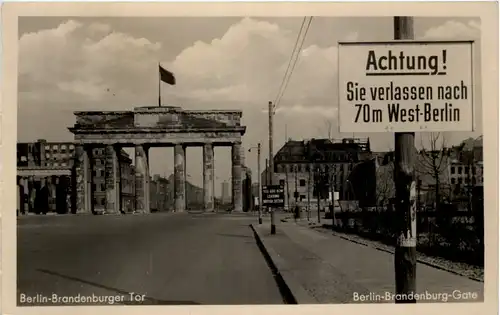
{"x":147,"y":127}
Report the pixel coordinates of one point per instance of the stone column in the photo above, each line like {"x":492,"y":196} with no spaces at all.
{"x":180,"y":177}
{"x":84,"y":179}
{"x":208,"y":177}
{"x":24,"y":194}
{"x":142,"y":178}
{"x":31,"y":192}
{"x":52,"y":182}
{"x":90,"y":179}
{"x":111,"y":171}
{"x":117,"y":178}
{"x":236,"y":177}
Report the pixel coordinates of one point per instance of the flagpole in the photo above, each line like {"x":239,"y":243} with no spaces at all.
{"x":159,"y":85}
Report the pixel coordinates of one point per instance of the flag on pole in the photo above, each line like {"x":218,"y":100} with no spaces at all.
{"x":166,"y":76}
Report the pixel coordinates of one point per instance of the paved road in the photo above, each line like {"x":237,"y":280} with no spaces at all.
{"x":169,"y":258}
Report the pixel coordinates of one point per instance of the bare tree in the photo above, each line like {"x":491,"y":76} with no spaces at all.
{"x":433,"y":162}
{"x":465,"y":155}
{"x":385,"y":183}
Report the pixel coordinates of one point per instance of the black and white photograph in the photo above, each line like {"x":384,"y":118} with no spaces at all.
{"x":250,"y":160}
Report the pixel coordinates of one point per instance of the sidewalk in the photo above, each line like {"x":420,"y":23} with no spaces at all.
{"x":330,"y":269}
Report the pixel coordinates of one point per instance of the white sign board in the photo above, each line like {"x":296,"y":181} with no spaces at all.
{"x":335,"y":196}
{"x":406,"y":86}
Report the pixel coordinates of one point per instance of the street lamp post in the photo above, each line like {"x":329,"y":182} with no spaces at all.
{"x":318,"y":183}
{"x":296,"y":193}
{"x":259,"y":181}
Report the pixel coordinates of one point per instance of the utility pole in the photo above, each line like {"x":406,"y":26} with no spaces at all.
{"x":318,"y":192}
{"x":271,"y":164}
{"x":404,"y":178}
{"x":296,"y":193}
{"x":332,"y":193}
{"x":259,"y":184}
{"x":309,"y":171}
{"x":287,"y":189}
{"x":267,"y":172}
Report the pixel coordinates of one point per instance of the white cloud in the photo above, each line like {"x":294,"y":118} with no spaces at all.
{"x":99,"y":28}
{"x":317,"y":111}
{"x":247,"y":65}
{"x":353,"y":36}
{"x":85,"y":89}
{"x":86,"y":61}
{"x":454,"y":30}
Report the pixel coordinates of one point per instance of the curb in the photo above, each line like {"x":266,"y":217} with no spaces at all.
{"x":391,"y":251}
{"x":293,"y":292}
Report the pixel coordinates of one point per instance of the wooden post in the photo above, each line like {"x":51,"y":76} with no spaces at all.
{"x":260,"y":184}
{"x":332,"y":192}
{"x":404,"y":178}
{"x":309,"y":171}
{"x":318,"y":182}
{"x":271,"y":162}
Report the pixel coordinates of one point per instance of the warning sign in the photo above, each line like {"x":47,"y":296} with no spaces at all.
{"x":406,"y":86}
{"x":273,"y":196}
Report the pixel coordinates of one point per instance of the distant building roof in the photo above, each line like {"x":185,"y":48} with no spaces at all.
{"x":318,"y":149}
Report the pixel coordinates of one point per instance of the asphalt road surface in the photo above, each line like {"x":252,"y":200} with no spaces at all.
{"x":164,"y":259}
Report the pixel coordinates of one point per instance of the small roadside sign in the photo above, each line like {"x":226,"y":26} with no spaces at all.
{"x":406,"y":86}
{"x":273,"y":196}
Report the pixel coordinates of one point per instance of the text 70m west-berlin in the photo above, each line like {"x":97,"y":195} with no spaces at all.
{"x":405,"y":87}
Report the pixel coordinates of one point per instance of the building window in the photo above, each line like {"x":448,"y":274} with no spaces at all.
{"x":453,"y":169}
{"x":453,"y":180}
{"x":302,"y":197}
{"x":302,"y":182}
{"x":54,"y":148}
{"x":466,"y":170}
{"x":63,"y":147}
{"x":282,"y":182}
{"x":47,"y":147}
{"x":71,"y":147}
{"x":459,"y":170}
{"x":103,"y":202}
{"x":103,"y":187}
{"x":473,"y":180}
{"x":307,"y":168}
{"x":460,"y":180}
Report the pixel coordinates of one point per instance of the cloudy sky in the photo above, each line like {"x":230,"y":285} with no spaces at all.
{"x":68,"y":64}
